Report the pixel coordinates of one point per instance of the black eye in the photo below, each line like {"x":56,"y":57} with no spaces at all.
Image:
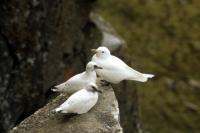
{"x":94,"y":87}
{"x":102,"y":52}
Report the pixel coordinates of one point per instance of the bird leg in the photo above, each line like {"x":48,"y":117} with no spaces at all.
{"x":104,"y":83}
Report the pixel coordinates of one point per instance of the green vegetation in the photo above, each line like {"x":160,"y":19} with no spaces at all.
{"x":163,"y":38}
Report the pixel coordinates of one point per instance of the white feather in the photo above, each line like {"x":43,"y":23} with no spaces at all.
{"x":148,"y":75}
{"x":114,"y":69}
{"x":77,"y":82}
{"x":80,"y":102}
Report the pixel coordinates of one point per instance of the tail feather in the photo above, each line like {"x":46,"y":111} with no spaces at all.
{"x":142,"y":79}
{"x":137,"y":76}
{"x":132,"y":74}
{"x":59,"y":110}
{"x":148,"y":75}
{"x":58,"y":88}
{"x":54,"y":89}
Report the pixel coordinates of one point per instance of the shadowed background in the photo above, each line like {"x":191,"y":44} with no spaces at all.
{"x":163,"y":37}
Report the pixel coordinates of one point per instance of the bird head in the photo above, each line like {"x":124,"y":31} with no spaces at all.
{"x":93,"y":88}
{"x":101,"y":51}
{"x":91,"y":66}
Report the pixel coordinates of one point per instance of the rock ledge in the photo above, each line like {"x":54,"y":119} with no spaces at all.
{"x":103,"y":118}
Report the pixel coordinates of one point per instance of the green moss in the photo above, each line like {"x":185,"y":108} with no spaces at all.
{"x":163,"y":38}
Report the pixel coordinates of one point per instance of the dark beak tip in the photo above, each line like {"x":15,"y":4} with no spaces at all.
{"x":100,"y":91}
{"x":97,"y":67}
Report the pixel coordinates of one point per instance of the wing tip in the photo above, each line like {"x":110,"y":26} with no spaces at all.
{"x":57,"y":110}
{"x":54,"y":89}
{"x":149,"y":75}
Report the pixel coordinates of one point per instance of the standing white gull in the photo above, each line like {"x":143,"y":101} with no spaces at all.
{"x":81,"y":101}
{"x":114,"y":69}
{"x":79,"y":81}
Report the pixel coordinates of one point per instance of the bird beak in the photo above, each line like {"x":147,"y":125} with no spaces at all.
{"x":97,"y":67}
{"x":94,"y":51}
{"x":99,"y":91}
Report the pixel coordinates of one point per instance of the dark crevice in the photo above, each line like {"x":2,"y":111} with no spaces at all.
{"x":15,"y":64}
{"x":12,"y":72}
{"x":11,"y":51}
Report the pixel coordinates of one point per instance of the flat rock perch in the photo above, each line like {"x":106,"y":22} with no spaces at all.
{"x":102,"y":118}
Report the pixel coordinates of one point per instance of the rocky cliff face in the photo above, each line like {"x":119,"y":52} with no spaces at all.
{"x":43,"y":43}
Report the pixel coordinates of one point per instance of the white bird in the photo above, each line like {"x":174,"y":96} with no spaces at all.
{"x":81,"y":101}
{"x":114,"y":69}
{"x":78,"y":81}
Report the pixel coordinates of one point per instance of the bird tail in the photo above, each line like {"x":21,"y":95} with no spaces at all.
{"x":137,"y":76}
{"x":59,"y":110}
{"x":58,"y":88}
{"x":148,"y":75}
{"x":54,"y":89}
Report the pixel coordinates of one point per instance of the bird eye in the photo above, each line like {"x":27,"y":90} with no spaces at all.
{"x":94,"y":87}
{"x":102,"y":51}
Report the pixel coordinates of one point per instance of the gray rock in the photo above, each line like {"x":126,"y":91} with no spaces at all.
{"x":102,"y":118}
{"x":110,"y":37}
{"x":194,"y":83}
{"x":41,"y":43}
